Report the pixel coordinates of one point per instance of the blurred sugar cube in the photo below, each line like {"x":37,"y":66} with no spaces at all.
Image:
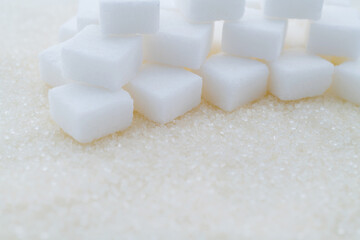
{"x":296,"y":75}
{"x":129,"y":17}
{"x":87,"y":113}
{"x":299,"y":9}
{"x":88,"y":13}
{"x":254,"y":36}
{"x":178,"y":43}
{"x":164,"y":93}
{"x":101,"y":61}
{"x":230,"y":82}
{"x":211,"y":10}
{"x":68,"y":30}
{"x":51,"y":70}
{"x":336,"y":34}
{"x":94,"y":62}
{"x":347,"y":81}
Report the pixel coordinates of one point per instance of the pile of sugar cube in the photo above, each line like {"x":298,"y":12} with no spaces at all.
{"x":160,"y":57}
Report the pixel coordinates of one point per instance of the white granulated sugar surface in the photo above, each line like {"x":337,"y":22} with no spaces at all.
{"x":269,"y":170}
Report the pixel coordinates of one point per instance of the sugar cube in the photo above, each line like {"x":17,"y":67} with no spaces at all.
{"x":296,"y":75}
{"x":88,"y":13}
{"x":129,"y":17}
{"x":51,"y":70}
{"x":336,"y":34}
{"x":230,"y":82}
{"x":101,"y":61}
{"x":68,"y":30}
{"x":87,"y":113}
{"x":178,"y":43}
{"x":211,"y":10}
{"x":347,"y":81}
{"x":254,"y":36}
{"x":164,"y":93}
{"x":300,"y":9}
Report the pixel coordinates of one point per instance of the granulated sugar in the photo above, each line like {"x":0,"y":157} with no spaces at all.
{"x":269,"y":170}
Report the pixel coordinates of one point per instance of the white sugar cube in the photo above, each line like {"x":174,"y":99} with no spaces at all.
{"x":211,"y":10}
{"x":178,"y":43}
{"x":88,"y":13}
{"x":87,"y":113}
{"x":296,"y":75}
{"x":347,"y":81}
{"x":300,"y":9}
{"x":230,"y":82}
{"x":51,"y":70}
{"x":254,"y":36}
{"x":164,"y":93}
{"x":336,"y":34}
{"x":101,"y":61}
{"x":68,"y":30}
{"x":129,"y":17}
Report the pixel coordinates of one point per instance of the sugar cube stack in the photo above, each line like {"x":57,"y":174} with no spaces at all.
{"x":160,"y":57}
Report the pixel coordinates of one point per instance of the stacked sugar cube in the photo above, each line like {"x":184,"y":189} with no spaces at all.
{"x":160,"y":57}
